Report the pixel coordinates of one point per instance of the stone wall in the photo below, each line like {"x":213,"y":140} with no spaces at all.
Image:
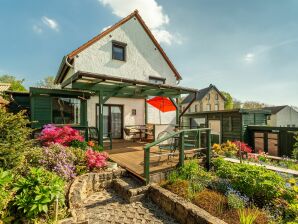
{"x":182,"y":210}
{"x":83,"y":186}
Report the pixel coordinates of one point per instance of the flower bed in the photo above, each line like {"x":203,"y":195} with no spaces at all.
{"x":239,"y":149}
{"x":33,"y":179}
{"x":236,"y":193}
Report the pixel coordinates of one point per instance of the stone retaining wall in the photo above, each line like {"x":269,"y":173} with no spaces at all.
{"x":83,"y":186}
{"x":179,"y":208}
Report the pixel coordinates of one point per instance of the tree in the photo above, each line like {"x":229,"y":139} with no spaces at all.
{"x":237,"y":104}
{"x":229,"y":100}
{"x":48,"y":82}
{"x":15,"y":84}
{"x":253,"y":105}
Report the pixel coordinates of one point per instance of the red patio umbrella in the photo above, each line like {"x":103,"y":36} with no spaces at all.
{"x":162,"y":103}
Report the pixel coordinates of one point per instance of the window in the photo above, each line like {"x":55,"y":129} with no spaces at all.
{"x":208,"y":96}
{"x":133,"y":112}
{"x":189,"y":110}
{"x":196,"y":108}
{"x":208,"y":107}
{"x":156,"y":80}
{"x":66,"y":110}
{"x":216,"y":107}
{"x":216,"y":96}
{"x":118,"y":51}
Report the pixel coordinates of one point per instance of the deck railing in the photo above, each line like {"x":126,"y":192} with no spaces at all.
{"x":182,"y":145}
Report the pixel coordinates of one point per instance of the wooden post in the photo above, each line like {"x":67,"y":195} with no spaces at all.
{"x":181,"y":149}
{"x":208,"y":144}
{"x":147,"y":164}
{"x":198,"y":142}
{"x":100,"y":118}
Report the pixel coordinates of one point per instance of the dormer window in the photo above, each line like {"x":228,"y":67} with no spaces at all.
{"x":119,"y":51}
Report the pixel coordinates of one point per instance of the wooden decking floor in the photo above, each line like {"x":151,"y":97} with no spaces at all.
{"x":130,"y":155}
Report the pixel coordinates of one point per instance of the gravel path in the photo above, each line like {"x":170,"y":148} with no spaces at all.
{"x":107,"y":207}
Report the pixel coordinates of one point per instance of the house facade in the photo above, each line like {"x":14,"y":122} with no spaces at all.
{"x":128,"y":53}
{"x":282,"y":116}
{"x":207,"y":99}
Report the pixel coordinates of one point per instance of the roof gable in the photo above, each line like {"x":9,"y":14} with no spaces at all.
{"x":201,"y":94}
{"x":135,"y":14}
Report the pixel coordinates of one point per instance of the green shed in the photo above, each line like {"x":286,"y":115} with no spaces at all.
{"x":227,"y":124}
{"x":58,"y":106}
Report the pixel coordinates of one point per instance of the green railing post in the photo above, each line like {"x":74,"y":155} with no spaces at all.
{"x":147,"y":164}
{"x":181,"y":149}
{"x":208,"y":144}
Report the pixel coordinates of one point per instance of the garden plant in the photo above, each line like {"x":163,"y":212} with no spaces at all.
{"x":35,"y":174}
{"x":237,"y":193}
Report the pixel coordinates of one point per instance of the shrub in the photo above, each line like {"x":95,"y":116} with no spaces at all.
{"x":228,"y":149}
{"x":295,"y":154}
{"x":61,"y":135}
{"x":78,"y":144}
{"x":6,"y":193}
{"x":235,"y":201}
{"x":291,"y":213}
{"x":295,"y":150}
{"x":248,"y":216}
{"x":179,"y":187}
{"x":256,"y":182}
{"x":37,"y":191}
{"x":243,"y":146}
{"x":80,"y":161}
{"x":96,"y":159}
{"x":198,"y":178}
{"x":14,"y":138}
{"x":211,"y":201}
{"x":59,"y":159}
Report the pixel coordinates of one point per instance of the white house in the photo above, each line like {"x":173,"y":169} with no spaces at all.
{"x":282,"y":116}
{"x":127,"y":50}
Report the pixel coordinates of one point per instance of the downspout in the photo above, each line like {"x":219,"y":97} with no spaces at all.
{"x":67,"y":63}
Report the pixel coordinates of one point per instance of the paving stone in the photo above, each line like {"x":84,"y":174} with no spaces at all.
{"x":106,"y":206}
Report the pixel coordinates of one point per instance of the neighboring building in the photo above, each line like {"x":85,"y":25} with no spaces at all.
{"x":227,"y":124}
{"x":207,"y":99}
{"x":282,"y":116}
{"x":106,"y":82}
{"x":3,"y":88}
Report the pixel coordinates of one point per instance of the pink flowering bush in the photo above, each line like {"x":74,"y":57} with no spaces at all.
{"x":61,"y":135}
{"x":243,"y":146}
{"x":96,"y":159}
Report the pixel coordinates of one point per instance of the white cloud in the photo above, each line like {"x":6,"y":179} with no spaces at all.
{"x":37,"y":29}
{"x":263,"y":49}
{"x":151,"y":12}
{"x":51,"y":23}
{"x":249,"y":57}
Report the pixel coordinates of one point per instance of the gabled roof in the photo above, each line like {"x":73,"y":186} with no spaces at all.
{"x":275,"y":109}
{"x":135,"y":14}
{"x":201,"y":94}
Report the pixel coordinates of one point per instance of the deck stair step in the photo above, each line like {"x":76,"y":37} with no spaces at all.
{"x":130,"y":188}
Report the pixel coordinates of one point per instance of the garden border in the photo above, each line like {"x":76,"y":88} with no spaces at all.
{"x":179,"y":208}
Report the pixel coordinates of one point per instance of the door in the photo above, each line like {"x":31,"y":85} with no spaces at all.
{"x":112,"y":120}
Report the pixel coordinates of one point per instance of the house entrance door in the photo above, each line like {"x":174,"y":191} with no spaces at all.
{"x":112,"y":120}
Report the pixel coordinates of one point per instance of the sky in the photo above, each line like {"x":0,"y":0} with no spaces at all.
{"x":247,"y":48}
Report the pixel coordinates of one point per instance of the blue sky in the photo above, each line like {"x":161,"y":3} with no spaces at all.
{"x":248,"y":48}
